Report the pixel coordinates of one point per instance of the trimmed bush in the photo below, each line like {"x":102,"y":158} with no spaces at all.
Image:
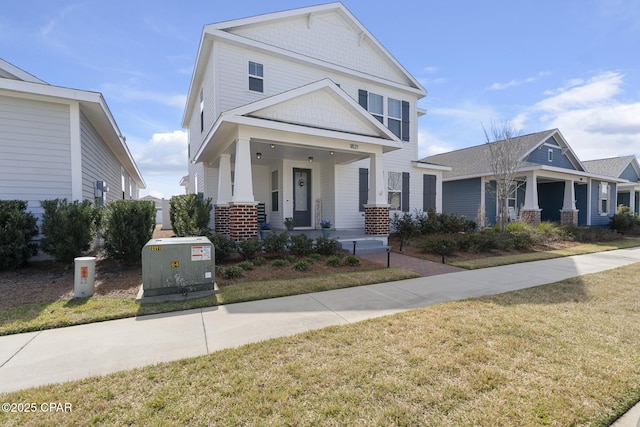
{"x":279,"y":262}
{"x":326,"y":246}
{"x":190,"y":214}
{"x":352,"y":261}
{"x":246,"y":265}
{"x":259,"y":261}
{"x":302,"y":266}
{"x":128,"y":227}
{"x":224,"y":246}
{"x":276,"y":243}
{"x":248,"y":249}
{"x":440,"y":243}
{"x":68,"y":228}
{"x":301,"y":245}
{"x":233,"y":272}
{"x":334,"y":261}
{"x":405,"y":226}
{"x":521,"y":240}
{"x":17,"y":229}
{"x":624,"y":221}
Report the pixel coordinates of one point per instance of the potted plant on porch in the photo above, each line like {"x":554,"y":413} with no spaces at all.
{"x":289,"y":223}
{"x":326,"y":227}
{"x":264,"y":228}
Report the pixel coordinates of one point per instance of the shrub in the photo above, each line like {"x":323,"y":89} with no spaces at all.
{"x":224,"y":247}
{"x":128,"y":226}
{"x":248,"y":249}
{"x":279,"y":262}
{"x":302,"y":266}
{"x":521,"y":240}
{"x":326,"y":246}
{"x":516,"y":226}
{"x":483,"y":241}
{"x":68,"y":228}
{"x":435,"y":223}
{"x":301,"y":245}
{"x":334,"y":261}
{"x":259,"y":261}
{"x":624,"y":221}
{"x":17,"y":230}
{"x":405,"y":226}
{"x":246,"y":265}
{"x":276,"y":243}
{"x":590,"y":234}
{"x":291,"y":258}
{"x":233,"y":272}
{"x":440,"y":243}
{"x":315,"y":257}
{"x":353,"y":261}
{"x":190,"y":214}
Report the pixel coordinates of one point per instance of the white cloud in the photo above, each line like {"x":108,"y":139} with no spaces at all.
{"x":501,"y":86}
{"x":127,"y":94}
{"x":429,"y":144}
{"x":164,"y":154}
{"x":589,"y":114}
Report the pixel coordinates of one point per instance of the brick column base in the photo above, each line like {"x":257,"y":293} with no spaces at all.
{"x":243,"y":220}
{"x":531,"y":216}
{"x":221,"y":213}
{"x":569,"y":217}
{"x":376,"y":219}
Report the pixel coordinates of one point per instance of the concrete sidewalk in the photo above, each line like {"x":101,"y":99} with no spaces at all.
{"x":65,"y":354}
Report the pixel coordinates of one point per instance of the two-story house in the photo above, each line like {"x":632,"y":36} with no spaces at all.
{"x":304,"y":114}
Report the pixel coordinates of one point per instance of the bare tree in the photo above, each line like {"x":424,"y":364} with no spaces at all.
{"x":504,"y":157}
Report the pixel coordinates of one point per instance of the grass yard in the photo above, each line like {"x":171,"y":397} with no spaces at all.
{"x":560,"y":354}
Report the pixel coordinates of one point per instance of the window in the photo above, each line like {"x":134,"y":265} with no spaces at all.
{"x":274,"y":191}
{"x":256,"y":77}
{"x":550,"y":155}
{"x":603,"y":199}
{"x":394,"y":189}
{"x":394,"y":119}
{"x":376,"y":106}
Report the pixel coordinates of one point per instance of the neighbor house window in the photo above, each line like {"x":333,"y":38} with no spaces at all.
{"x":394,"y":113}
{"x":274,"y":191}
{"x":550,"y":155}
{"x":394,"y":190}
{"x":256,"y":77}
{"x":603,"y":199}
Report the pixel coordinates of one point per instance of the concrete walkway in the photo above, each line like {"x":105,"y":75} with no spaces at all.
{"x":58,"y":355}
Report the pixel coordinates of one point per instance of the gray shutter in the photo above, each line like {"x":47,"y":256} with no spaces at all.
{"x":428,"y":192}
{"x":405,"y":191}
{"x":364,"y":188}
{"x":405,"y":121}
{"x":363,"y":99}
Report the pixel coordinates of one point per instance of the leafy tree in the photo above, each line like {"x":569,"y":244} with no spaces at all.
{"x":190,"y":214}
{"x":17,"y":228}
{"x":129,"y":225}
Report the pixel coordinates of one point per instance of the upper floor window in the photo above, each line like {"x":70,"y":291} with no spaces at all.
{"x":603,"y":199}
{"x":394,"y":119}
{"x":550,"y":155}
{"x":256,"y":77}
{"x":396,"y":116}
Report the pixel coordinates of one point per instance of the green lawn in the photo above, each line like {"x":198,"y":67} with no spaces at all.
{"x":560,"y":354}
{"x":75,"y":312}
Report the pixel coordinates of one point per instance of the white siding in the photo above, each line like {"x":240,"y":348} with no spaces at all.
{"x":35,"y":162}
{"x":347,"y":195}
{"x":99,"y":164}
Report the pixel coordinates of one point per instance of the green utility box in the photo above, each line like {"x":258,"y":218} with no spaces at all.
{"x":178,"y":266}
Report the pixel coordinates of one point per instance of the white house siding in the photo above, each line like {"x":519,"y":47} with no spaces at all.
{"x":326,"y":37}
{"x":99,"y":164}
{"x":35,"y":161}
{"x":347,"y":195}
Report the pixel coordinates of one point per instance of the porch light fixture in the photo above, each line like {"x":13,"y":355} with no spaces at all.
{"x":310,"y":159}
{"x":258,"y":156}
{"x":331,"y":153}
{"x":272,"y":146}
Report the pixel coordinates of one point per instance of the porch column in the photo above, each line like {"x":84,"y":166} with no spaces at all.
{"x":632,"y":200}
{"x":243,"y":209}
{"x":569,"y":213}
{"x":221,"y":208}
{"x":376,"y":212}
{"x":531,"y":212}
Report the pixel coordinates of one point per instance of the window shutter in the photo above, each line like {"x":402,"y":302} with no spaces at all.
{"x":405,"y":191}
{"x":363,"y":188}
{"x":363,"y":99}
{"x":405,"y":121}
{"x":428,"y":192}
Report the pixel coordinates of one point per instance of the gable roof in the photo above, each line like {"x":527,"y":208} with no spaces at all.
{"x":233,"y":31}
{"x":613,"y":166}
{"x":475,"y":161}
{"x":10,"y":71}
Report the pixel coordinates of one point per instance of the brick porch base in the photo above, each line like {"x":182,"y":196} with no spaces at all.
{"x":222,"y":223}
{"x":376,"y":219}
{"x":532,"y":216}
{"x":569,"y":217}
{"x":243,"y":220}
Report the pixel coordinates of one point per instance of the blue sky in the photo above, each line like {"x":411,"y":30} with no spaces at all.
{"x":571,"y":64}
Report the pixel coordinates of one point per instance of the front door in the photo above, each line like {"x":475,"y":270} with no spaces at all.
{"x":302,"y":197}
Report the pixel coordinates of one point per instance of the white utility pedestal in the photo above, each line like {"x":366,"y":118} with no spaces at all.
{"x":84,"y":276}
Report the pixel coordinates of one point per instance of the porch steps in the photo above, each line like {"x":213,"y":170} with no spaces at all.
{"x":363,"y":246}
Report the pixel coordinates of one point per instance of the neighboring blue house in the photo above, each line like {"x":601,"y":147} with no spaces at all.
{"x":553,"y":184}
{"x":626,"y":168}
